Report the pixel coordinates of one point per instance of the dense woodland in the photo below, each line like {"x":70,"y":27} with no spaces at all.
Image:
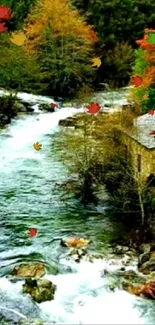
{"x":62,"y":38}
{"x":61,"y":42}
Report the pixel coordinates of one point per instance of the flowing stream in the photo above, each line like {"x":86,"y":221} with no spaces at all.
{"x":28,"y":198}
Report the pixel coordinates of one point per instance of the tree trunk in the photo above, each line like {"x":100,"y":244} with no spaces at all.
{"x":141,"y":207}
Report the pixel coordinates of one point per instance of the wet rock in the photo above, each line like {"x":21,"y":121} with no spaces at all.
{"x":19,"y":107}
{"x":70,"y":121}
{"x":46,"y":107}
{"x":4,"y":119}
{"x":74,"y":242}
{"x":76,"y":254}
{"x":28,"y":106}
{"x":112,"y":287}
{"x":143,"y":258}
{"x":104,"y":272}
{"x":29,"y":270}
{"x":151,"y":276}
{"x":147,"y":267}
{"x":147,"y":289}
{"x":120,"y":249}
{"x":40,"y":290}
{"x":145,"y":248}
{"x":133,"y":277}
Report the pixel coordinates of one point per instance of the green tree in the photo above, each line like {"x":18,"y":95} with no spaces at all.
{"x":115,"y":22}
{"x":17,"y":70}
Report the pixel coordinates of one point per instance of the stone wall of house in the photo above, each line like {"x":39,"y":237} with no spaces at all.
{"x":147,"y":157}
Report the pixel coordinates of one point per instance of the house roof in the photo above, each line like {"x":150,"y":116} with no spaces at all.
{"x":143,"y":125}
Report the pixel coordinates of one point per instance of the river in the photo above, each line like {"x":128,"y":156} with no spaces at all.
{"x":28,"y":198}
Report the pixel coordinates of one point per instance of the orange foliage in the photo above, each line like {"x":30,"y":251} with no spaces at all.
{"x":148,"y":289}
{"x":149,"y":76}
{"x":56,"y":17}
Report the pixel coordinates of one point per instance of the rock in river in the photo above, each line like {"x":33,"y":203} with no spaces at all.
{"x":29,"y":270}
{"x":40,"y":290}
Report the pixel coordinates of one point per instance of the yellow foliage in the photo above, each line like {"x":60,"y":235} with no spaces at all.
{"x":59,"y":19}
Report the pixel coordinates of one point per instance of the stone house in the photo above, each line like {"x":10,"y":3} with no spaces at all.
{"x":141,"y":146}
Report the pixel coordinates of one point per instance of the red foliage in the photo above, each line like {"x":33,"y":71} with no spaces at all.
{"x":53,"y":105}
{"x":3,"y":28}
{"x":5,"y":13}
{"x":93,"y":108}
{"x":137,"y":81}
{"x":32,"y":232}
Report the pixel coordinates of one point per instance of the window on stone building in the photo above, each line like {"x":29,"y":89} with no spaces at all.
{"x":139,"y":163}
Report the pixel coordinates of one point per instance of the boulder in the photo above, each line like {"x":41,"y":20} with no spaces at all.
{"x":19,"y":107}
{"x":147,"y":267}
{"x":133,"y":277}
{"x":40,"y":290}
{"x":77,"y":254}
{"x":74,"y":242}
{"x":46,"y":107}
{"x":68,"y":122}
{"x":28,"y":106}
{"x":4,"y":119}
{"x":143,"y":258}
{"x":145,"y":248}
{"x":29,"y":270}
{"x":147,"y":289}
{"x":119,"y":250}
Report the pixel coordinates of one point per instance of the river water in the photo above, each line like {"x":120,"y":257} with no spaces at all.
{"x":28,"y":198}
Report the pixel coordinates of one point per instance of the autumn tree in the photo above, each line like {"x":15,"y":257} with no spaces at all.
{"x":144,"y":67}
{"x":63,"y":45}
{"x":115,"y":22}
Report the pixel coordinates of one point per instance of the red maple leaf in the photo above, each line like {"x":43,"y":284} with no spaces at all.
{"x":5,"y":13}
{"x":151,"y":112}
{"x":32,"y":232}
{"x":93,"y":108}
{"x":152,"y":133}
{"x":137,"y":81}
{"x":53,"y":105}
{"x":3,"y":28}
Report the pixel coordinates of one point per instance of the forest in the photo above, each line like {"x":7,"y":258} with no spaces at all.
{"x":77,"y":162}
{"x":61,"y":41}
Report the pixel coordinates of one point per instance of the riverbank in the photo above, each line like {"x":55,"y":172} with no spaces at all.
{"x":14,"y":104}
{"x":31,"y":198}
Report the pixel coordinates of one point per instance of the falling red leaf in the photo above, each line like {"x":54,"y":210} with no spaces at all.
{"x":3,"y":28}
{"x":152,"y":133}
{"x":53,"y":105}
{"x":151,"y":112}
{"x":137,"y":81}
{"x":93,"y":108}
{"x":32,"y":232}
{"x":5,"y":13}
